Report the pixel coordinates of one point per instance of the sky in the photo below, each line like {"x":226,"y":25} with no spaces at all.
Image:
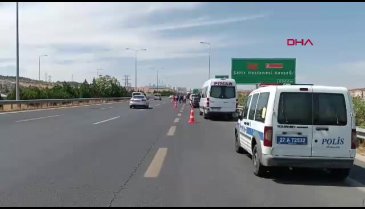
{"x":80,"y":38}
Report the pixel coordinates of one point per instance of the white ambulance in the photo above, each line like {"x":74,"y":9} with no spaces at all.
{"x":218,"y":96}
{"x":298,"y":126}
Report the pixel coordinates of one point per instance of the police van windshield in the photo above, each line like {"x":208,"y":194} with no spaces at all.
{"x":223,"y":92}
{"x":312,"y":109}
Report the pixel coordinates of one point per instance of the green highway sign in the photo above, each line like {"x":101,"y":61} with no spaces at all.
{"x":222,"y":76}
{"x":263,"y":70}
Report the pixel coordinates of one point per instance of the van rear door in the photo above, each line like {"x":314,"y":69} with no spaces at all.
{"x":222,"y":98}
{"x":292,"y":122}
{"x":332,"y":124}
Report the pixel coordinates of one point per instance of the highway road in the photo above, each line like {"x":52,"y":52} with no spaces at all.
{"x":110,"y":155}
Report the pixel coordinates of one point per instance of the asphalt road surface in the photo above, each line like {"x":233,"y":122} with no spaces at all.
{"x":111,"y":155}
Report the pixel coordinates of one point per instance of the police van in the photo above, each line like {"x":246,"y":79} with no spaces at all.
{"x":298,"y":126}
{"x":218,"y":97}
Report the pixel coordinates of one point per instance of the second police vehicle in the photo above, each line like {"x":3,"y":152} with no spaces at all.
{"x":218,"y":97}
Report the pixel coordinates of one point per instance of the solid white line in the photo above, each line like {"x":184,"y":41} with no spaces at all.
{"x":157,"y":105}
{"x":57,"y":108}
{"x":171,"y":131}
{"x":25,"y":120}
{"x":105,"y":108}
{"x":106,"y":120}
{"x":155,"y":167}
{"x":176,"y":120}
{"x":179,"y":114}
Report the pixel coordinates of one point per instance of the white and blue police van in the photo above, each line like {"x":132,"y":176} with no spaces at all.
{"x":298,"y":126}
{"x":218,"y":97}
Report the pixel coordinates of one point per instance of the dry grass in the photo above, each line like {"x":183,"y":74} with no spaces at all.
{"x":361,"y":149}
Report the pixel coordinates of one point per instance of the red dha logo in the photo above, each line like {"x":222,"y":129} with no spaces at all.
{"x":294,"y":42}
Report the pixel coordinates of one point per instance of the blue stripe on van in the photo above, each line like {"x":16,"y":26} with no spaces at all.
{"x":251,"y":132}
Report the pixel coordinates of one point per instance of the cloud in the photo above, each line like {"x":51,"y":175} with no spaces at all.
{"x":81,"y":37}
{"x":201,"y":22}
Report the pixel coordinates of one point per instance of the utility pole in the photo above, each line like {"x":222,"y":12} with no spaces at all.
{"x":126,"y":80}
{"x":157,"y":80}
{"x":135,"y":63}
{"x":97,"y":72}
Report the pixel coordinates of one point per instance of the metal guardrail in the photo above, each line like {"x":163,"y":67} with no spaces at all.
{"x":13,"y":105}
{"x":360,"y":132}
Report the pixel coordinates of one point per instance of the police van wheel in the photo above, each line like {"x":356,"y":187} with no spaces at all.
{"x":340,"y":174}
{"x":237,"y":145}
{"x":258,"y":168}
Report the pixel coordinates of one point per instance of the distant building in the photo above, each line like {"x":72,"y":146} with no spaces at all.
{"x":181,"y":89}
{"x":153,"y":88}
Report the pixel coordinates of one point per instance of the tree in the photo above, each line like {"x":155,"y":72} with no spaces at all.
{"x":108,"y":86}
{"x":94,"y":89}
{"x":359,"y":106}
{"x":85,"y":90}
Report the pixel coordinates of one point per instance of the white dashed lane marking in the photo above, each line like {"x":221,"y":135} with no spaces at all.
{"x":155,"y":167}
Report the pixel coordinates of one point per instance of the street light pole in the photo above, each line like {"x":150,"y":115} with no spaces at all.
{"x":157,"y":80}
{"x":135,"y":63}
{"x":39,"y":66}
{"x":209,"y":60}
{"x":207,"y":43}
{"x":135,"y":69}
{"x":17,"y":55}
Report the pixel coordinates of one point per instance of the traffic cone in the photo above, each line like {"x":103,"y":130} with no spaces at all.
{"x":191,"y":118}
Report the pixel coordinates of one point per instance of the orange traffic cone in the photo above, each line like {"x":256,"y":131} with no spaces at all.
{"x":191,"y":118}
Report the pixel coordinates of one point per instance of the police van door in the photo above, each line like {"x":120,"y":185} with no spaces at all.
{"x":331,"y":124}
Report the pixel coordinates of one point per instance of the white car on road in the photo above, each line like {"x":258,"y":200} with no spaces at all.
{"x":139,"y":101}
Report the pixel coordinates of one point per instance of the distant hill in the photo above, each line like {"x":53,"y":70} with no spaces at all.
{"x":7,"y":83}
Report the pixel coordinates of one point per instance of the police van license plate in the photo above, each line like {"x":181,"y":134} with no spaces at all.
{"x":291,"y":140}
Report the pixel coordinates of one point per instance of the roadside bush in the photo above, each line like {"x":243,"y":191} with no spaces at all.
{"x":104,"y":86}
{"x":359,"y":107}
